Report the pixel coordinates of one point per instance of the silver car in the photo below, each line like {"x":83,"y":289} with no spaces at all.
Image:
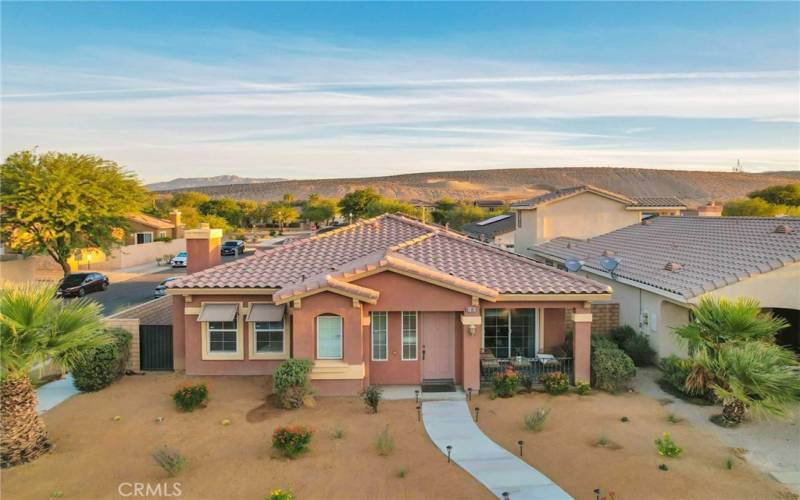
{"x":161,"y":289}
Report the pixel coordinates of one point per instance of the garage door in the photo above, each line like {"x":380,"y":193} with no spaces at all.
{"x":155,"y":347}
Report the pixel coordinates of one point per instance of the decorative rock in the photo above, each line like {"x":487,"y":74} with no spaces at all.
{"x":225,"y":422}
{"x":116,"y":418}
{"x":309,"y":401}
{"x":159,"y":419}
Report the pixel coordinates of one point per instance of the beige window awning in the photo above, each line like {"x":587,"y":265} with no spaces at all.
{"x":218,"y":312}
{"x":263,"y":313}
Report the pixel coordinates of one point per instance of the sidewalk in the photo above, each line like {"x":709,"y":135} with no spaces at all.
{"x":450,"y":423}
{"x":128,"y":273}
{"x":54,"y":393}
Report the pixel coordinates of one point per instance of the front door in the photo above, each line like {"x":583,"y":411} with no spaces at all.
{"x":438,"y":345}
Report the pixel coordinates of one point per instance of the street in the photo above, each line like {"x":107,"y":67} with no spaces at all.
{"x":124,"y":294}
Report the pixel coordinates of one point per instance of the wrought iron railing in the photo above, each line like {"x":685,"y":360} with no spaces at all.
{"x":530,"y":367}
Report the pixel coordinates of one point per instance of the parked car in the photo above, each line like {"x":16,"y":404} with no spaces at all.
{"x":232,"y":247}
{"x":79,"y":284}
{"x":180,"y":260}
{"x":161,"y":289}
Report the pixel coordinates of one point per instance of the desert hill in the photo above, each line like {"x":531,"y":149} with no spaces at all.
{"x":196,"y":182}
{"x":693,"y":187}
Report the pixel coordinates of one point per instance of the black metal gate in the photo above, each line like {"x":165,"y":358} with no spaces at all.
{"x":155,"y":347}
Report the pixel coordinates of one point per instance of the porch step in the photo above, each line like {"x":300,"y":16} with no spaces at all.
{"x":438,"y":385}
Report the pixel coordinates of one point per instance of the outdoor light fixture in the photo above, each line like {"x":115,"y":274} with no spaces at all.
{"x":472,"y":329}
{"x":419,"y":413}
{"x":506,"y":496}
{"x":597,"y":493}
{"x":520,"y":443}
{"x":476,"y":413}
{"x":469,"y":393}
{"x":416,"y":395}
{"x":449,"y":449}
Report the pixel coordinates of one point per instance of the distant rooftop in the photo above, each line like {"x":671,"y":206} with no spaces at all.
{"x":630,"y":201}
{"x":491,"y":227}
{"x":687,"y":256}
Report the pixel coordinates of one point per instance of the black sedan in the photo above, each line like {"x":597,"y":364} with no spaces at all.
{"x":79,"y":284}
{"x":232,"y":247}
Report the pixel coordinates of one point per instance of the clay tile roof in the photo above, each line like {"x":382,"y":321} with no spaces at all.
{"x":390,"y":241}
{"x":150,"y":221}
{"x":712,"y":252}
{"x":657,"y":201}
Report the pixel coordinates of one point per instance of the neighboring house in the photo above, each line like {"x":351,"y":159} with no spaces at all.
{"x":710,"y":209}
{"x":144,"y":228}
{"x":497,"y":230}
{"x":490,"y":205}
{"x":387,"y":300}
{"x":582,"y":212}
{"x":667,"y":264}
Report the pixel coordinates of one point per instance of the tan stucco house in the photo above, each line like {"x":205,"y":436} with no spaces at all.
{"x":582,"y":212}
{"x":388,"y":300}
{"x":143,"y":228}
{"x":665,"y":265}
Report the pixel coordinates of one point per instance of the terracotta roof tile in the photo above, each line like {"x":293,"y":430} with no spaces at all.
{"x":343,"y":253}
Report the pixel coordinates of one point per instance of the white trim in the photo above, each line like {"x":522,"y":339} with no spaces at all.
{"x":372,"y":335}
{"x":341,"y":337}
{"x":416,"y":337}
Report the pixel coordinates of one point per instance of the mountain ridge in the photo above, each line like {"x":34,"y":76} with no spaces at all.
{"x":197,"y":182}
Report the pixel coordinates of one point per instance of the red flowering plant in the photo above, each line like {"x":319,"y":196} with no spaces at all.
{"x":291,"y":441}
{"x":189,"y":397}
{"x":505,"y":383}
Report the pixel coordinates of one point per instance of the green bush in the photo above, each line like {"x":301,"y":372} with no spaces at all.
{"x":602,"y":341}
{"x":372,"y":397}
{"x":667,"y":447}
{"x":637,"y":346}
{"x":505,"y":383}
{"x":292,"y":441}
{"x":611,"y":368}
{"x":101,"y":366}
{"x":554,"y":382}
{"x":280,"y":494}
{"x":526,"y":383}
{"x":291,"y":382}
{"x":621,"y":334}
{"x":190,"y":397}
{"x":582,"y":388}
{"x":674,"y":371}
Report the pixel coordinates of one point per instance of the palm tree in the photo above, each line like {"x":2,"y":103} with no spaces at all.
{"x":752,"y":377}
{"x":718,"y":321}
{"x":35,"y":327}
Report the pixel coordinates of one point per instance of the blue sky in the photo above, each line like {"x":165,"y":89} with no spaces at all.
{"x":306,"y":90}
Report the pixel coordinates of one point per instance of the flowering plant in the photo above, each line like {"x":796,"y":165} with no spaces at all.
{"x":189,"y":397}
{"x":505,"y":383}
{"x":292,"y":440}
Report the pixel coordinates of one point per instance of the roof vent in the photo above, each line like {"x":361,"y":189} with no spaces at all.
{"x":783,"y":229}
{"x":608,"y":253}
{"x":646,"y":222}
{"x":673,"y":266}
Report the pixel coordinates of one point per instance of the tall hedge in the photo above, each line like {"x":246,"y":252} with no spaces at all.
{"x":291,"y":382}
{"x":611,"y":368}
{"x":103,"y":365}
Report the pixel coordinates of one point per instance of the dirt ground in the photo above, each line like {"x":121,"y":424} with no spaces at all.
{"x":565,"y":449}
{"x":94,"y":454}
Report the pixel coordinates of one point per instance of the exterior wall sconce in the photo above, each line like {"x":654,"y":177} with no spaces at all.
{"x":472,"y":329}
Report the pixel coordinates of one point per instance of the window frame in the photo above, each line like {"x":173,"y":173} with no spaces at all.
{"x":341,"y":337}
{"x":372,"y":335}
{"x":403,"y":336}
{"x":251,"y":331}
{"x":537,"y":329}
{"x":143,"y":233}
{"x":207,"y":354}
{"x":210,"y":339}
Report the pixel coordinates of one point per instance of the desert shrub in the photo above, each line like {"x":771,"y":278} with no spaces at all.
{"x":292,"y":441}
{"x":612,"y":368}
{"x":621,"y":334}
{"x":280,"y":494}
{"x":102,"y":365}
{"x":637,"y":346}
{"x":403,"y":472}
{"x":505,"y":383}
{"x":602,"y":440}
{"x":674,"y":371}
{"x":526,"y":383}
{"x":535,"y":421}
{"x":190,"y":397}
{"x":384,"y":443}
{"x":667,"y":447}
{"x":555,"y":382}
{"x":291,"y":383}
{"x":582,"y":387}
{"x":170,"y":460}
{"x":338,"y":432}
{"x":729,"y":463}
{"x":372,"y":397}
{"x":674,"y":419}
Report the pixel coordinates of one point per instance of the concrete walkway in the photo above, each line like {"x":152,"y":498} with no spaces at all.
{"x":450,"y":423}
{"x":771,"y":445}
{"x":54,"y":393}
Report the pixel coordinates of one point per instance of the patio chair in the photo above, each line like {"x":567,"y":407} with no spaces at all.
{"x":489,"y":363}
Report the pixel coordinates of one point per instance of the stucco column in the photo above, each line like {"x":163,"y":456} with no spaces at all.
{"x":179,"y":332}
{"x":582,"y":344}
{"x":471,"y":352}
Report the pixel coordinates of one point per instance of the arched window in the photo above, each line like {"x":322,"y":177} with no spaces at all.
{"x":329,"y":337}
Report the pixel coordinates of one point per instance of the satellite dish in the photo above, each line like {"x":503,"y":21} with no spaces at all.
{"x":573,"y":265}
{"x":610,"y":264}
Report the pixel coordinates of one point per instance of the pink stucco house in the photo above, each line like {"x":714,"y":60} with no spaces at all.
{"x":388,"y":300}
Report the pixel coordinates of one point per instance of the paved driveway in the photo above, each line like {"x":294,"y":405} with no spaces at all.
{"x":123,"y":294}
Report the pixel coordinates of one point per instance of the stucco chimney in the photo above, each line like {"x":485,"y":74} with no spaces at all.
{"x":202,"y":246}
{"x":710,"y":209}
{"x":175,"y":218}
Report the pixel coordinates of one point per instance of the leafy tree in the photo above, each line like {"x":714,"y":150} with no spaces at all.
{"x":319,"y":210}
{"x":226,"y":208}
{"x":457,"y":214}
{"x":216,"y":222}
{"x":788,"y":194}
{"x":189,"y":199}
{"x":356,"y":203}
{"x":247,"y":208}
{"x":57,"y":203}
{"x":757,"y":207}
{"x":282,"y":214}
{"x":35,"y":327}
{"x":383,"y":206}
{"x":288,"y":198}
